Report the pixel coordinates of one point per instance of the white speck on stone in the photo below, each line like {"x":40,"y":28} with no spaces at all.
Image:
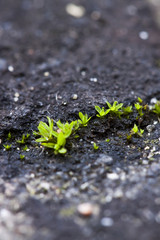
{"x":144,"y":35}
{"x":16,"y":94}
{"x":45,"y":186}
{"x":150,"y":128}
{"x":146,"y":148}
{"x":10,"y":68}
{"x":108,"y":198}
{"x":113,"y":176}
{"x":31,"y":88}
{"x":145,"y":162}
{"x":118,"y":193}
{"x":84,"y":186}
{"x":75,"y":10}
{"x":153,"y":100}
{"x":107,"y":222}
{"x":83,"y":73}
{"x":16,"y":99}
{"x":32,"y":175}
{"x":74,"y":96}
{"x":93,"y":79}
{"x":123,"y":176}
{"x":46,"y":74}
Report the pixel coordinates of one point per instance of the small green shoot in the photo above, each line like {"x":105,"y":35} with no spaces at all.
{"x":55,"y":137}
{"x":83,"y":119}
{"x":95,"y":146}
{"x":115,"y":109}
{"x":9,"y":136}
{"x":107,"y":140}
{"x":101,"y":112}
{"x":156,"y":108}
{"x":25,"y":148}
{"x":22,"y":157}
{"x":135,"y":131}
{"x":127,"y":110}
{"x":24,"y":139}
{"x":59,"y":146}
{"x":139,"y":109}
{"x":139,"y":100}
{"x":7,"y":147}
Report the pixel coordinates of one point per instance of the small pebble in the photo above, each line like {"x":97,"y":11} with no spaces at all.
{"x":16,"y":94}
{"x":16,"y":99}
{"x":150,"y":128}
{"x":144,"y":162}
{"x":46,"y":74}
{"x":153,"y":100}
{"x":10,"y":68}
{"x":144,"y":35}
{"x":31,"y":88}
{"x":85,"y":209}
{"x":75,"y":10}
{"x":104,"y":158}
{"x":93,"y":79}
{"x":107,"y":222}
{"x":113,"y":176}
{"x":74,"y":96}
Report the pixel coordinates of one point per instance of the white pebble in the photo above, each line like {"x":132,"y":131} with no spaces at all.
{"x":144,"y":35}
{"x":107,"y":222}
{"x":16,"y":94}
{"x":75,"y":10}
{"x":10,"y":68}
{"x":46,"y":74}
{"x":15,"y":99}
{"x":85,"y":209}
{"x":93,"y":79}
{"x":113,"y":176}
{"x":153,"y":100}
{"x":74,"y":96}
